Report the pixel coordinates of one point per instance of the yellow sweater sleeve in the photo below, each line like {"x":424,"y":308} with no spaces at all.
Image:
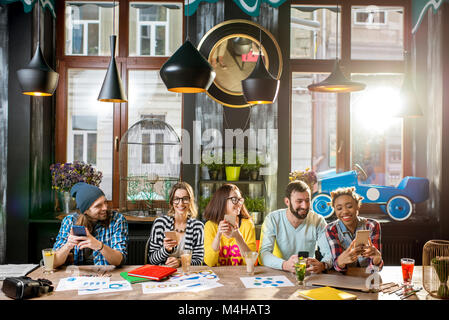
{"x":210,"y":256}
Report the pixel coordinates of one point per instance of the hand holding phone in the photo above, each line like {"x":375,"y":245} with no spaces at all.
{"x":171,"y":235}
{"x":361,"y":238}
{"x":231,"y":219}
{"x":79,"y":231}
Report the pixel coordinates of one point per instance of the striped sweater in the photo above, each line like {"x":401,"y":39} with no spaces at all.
{"x":194,"y":240}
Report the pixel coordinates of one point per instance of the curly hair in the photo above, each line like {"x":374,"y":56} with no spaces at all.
{"x":349,"y":191}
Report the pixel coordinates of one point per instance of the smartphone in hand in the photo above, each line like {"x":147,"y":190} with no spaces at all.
{"x":361,"y":238}
{"x":171,"y":235}
{"x":79,"y":231}
{"x":231,"y":219}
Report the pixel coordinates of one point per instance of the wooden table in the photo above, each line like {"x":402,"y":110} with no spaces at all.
{"x":232,"y":289}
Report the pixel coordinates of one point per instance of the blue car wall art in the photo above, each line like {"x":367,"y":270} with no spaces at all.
{"x":397,"y":202}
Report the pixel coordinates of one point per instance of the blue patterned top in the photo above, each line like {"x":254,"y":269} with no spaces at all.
{"x":115,"y":236}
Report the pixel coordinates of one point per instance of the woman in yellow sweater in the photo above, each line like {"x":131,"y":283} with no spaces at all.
{"x":224,"y":244}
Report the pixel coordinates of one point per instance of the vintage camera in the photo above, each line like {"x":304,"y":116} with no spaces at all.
{"x":25,"y":287}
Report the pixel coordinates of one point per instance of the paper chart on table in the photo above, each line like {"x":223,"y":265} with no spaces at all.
{"x":70,"y":283}
{"x":195,"y":276}
{"x":94,"y":283}
{"x":113,"y":286}
{"x":266,"y":282}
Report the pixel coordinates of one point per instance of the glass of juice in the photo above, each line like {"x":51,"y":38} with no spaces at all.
{"x":407,"y":265}
{"x":186,"y":259}
{"x":300,"y":270}
{"x":48,"y":257}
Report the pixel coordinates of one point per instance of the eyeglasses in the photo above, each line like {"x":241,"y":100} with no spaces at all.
{"x":236,"y":200}
{"x":184,"y":200}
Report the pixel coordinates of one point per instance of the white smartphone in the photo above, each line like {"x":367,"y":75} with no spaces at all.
{"x":361,"y":237}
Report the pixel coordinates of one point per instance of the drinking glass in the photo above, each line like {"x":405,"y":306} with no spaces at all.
{"x":407,"y":265}
{"x":48,"y":256}
{"x":250,"y":259}
{"x":186,"y":259}
{"x":300,"y":270}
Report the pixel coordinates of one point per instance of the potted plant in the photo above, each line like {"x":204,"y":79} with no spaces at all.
{"x":252,"y":168}
{"x":308,"y":176}
{"x":256,"y":207}
{"x":233,"y":162}
{"x":66,"y":175}
{"x":213,"y":168}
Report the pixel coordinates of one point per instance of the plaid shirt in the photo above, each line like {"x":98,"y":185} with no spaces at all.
{"x":115,"y":236}
{"x":339,"y":238}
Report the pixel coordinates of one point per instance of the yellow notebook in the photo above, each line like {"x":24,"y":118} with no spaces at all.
{"x":326,"y":293}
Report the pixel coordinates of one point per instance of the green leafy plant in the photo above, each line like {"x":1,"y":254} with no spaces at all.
{"x":251,"y":166}
{"x":255,"y":204}
{"x":202,"y":203}
{"x":212,"y":166}
{"x":237,"y":156}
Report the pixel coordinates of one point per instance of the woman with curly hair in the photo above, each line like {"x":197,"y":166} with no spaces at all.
{"x":341,"y":233}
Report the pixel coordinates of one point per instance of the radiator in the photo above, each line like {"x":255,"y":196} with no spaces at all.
{"x":394,"y":250}
{"x":136,"y":250}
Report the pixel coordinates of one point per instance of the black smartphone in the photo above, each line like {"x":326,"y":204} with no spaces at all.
{"x":79,"y":231}
{"x":303,"y":254}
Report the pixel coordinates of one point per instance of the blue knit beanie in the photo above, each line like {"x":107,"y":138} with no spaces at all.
{"x":85,"y":194}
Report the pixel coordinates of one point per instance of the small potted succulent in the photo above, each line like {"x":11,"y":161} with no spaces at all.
{"x":256,"y":207}
{"x":252,"y":168}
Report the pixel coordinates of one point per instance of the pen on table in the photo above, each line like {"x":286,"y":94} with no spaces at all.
{"x":410,"y":294}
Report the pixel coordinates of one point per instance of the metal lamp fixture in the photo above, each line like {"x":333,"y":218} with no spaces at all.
{"x":187,"y":71}
{"x":336,"y":82}
{"x":37,"y":78}
{"x":112,"y":89}
{"x":260,"y":87}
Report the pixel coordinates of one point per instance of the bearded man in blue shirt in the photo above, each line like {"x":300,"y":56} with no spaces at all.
{"x":106,"y":240}
{"x":285,"y":232}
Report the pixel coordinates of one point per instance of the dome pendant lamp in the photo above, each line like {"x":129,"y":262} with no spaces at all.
{"x":187,"y":71}
{"x":260,"y":87}
{"x":336,"y":82}
{"x":37,"y":78}
{"x":112,"y":89}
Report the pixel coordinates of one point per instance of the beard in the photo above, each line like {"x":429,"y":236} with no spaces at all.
{"x":299,"y":213}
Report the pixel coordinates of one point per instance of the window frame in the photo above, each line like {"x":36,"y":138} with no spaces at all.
{"x":350,"y":66}
{"x":125,"y":63}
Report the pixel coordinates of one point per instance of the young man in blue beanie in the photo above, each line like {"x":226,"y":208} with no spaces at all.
{"x":106,"y":240}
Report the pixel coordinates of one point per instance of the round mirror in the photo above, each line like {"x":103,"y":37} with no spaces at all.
{"x":232,"y":48}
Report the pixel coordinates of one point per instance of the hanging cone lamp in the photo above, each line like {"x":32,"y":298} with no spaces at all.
{"x":187,"y":71}
{"x":260,"y":87}
{"x":112,"y":89}
{"x":37,"y":78}
{"x":336,"y":82}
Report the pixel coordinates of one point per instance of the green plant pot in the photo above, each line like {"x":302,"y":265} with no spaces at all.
{"x":232,"y":173}
{"x":213,"y":174}
{"x":254,"y":175}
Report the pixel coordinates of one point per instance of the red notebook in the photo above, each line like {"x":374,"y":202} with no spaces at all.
{"x":152,"y":272}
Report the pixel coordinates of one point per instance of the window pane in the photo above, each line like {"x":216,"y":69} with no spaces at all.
{"x":93,"y":39}
{"x":83,"y":88}
{"x":78,"y":147}
{"x":88,"y":27}
{"x":154,"y":29}
{"x":377,"y":135}
{"x":313,"y":32}
{"x":160,"y":40}
{"x":92,"y":148}
{"x":377,"y":33}
{"x":313,"y":125}
{"x":145,"y":41}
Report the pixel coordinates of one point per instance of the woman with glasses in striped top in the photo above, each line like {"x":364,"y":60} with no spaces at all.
{"x":180,"y":219}
{"x":225,"y":242}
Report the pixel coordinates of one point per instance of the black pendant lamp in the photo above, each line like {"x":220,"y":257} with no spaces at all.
{"x":409,"y":101}
{"x":187,"y":71}
{"x":260,"y":87}
{"x":336,"y":82}
{"x":37,"y":78}
{"x":112,"y":89}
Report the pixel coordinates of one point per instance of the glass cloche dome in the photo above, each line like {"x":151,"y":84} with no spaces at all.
{"x":150,"y":163}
